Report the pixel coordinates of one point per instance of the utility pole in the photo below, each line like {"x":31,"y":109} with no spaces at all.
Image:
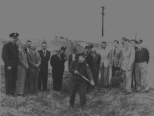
{"x":103,"y":20}
{"x":136,"y":35}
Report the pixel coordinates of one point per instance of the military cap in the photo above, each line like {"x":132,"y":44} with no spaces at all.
{"x":133,"y":41}
{"x":63,"y":48}
{"x":139,"y":41}
{"x":90,"y":46}
{"x":14,"y":35}
{"x":86,"y":47}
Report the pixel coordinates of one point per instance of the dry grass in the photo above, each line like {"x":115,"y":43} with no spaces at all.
{"x":106,"y":102}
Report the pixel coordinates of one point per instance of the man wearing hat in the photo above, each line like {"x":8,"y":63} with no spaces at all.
{"x":77,"y":67}
{"x":11,"y":60}
{"x":141,"y":61}
{"x":57,"y":64}
{"x":72,"y":56}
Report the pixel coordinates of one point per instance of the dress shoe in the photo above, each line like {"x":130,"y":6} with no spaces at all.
{"x":146,"y":91}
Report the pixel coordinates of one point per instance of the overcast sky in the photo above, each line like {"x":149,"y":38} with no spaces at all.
{"x":77,"y":19}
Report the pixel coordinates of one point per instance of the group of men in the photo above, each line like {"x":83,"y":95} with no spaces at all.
{"x":129,"y":57}
{"x":37,"y":72}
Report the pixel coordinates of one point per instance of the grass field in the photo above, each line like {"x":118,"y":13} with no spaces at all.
{"x":106,"y":102}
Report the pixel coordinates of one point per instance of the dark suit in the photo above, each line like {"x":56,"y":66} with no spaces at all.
{"x":10,"y":58}
{"x":57,"y":70}
{"x":70,"y":59}
{"x":95,"y":66}
{"x":43,"y":76}
{"x":33,"y":72}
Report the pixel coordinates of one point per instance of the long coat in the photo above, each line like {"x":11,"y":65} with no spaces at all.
{"x":57,"y":63}
{"x":23,"y":63}
{"x":10,"y":54}
{"x":116,"y":59}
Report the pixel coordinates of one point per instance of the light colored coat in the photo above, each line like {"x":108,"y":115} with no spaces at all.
{"x":116,"y":60}
{"x":128,"y":59}
{"x":105,"y":57}
{"x":23,"y":64}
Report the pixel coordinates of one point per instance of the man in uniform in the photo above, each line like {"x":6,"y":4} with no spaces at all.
{"x":77,"y":67}
{"x":10,"y":58}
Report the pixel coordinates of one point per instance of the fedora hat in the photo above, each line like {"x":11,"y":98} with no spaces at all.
{"x":57,"y":49}
{"x":63,"y":48}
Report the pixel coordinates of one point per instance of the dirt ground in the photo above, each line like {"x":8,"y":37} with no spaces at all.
{"x":106,"y":102}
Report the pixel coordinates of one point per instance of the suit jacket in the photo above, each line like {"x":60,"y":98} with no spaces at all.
{"x":128,"y":59}
{"x":44,"y":59}
{"x":23,"y":63}
{"x":33,"y":59}
{"x":10,"y":54}
{"x":116,"y":59}
{"x":96,"y":62}
{"x":56,"y":63}
{"x":70,"y":59}
{"x":88,"y":59}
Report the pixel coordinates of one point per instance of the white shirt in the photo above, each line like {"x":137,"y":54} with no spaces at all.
{"x":73,"y":57}
{"x":105,"y":56}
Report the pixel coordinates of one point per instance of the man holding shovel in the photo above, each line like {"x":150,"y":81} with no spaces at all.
{"x":79,"y":68}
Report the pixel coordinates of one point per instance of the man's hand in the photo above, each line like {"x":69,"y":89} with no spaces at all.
{"x":37,"y":65}
{"x":9,"y":67}
{"x":76,"y":72}
{"x":92,"y":83}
